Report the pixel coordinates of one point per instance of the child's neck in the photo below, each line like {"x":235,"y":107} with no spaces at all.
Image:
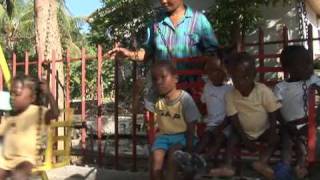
{"x":248,"y":90}
{"x":172,"y":95}
{"x":176,"y":15}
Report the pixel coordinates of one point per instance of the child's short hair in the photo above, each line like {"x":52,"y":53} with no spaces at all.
{"x":31,"y":82}
{"x":293,"y":54}
{"x":240,"y":58}
{"x":168,"y":65}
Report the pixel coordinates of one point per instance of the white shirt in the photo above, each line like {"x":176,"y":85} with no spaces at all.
{"x":290,"y":94}
{"x":213,"y":97}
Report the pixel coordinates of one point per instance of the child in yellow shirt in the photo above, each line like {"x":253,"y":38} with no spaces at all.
{"x":175,"y":113}
{"x":21,"y":130}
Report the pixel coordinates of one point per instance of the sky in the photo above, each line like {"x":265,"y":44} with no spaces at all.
{"x":83,"y":8}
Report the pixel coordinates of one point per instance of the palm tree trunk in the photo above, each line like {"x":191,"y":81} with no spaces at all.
{"x":48,"y":38}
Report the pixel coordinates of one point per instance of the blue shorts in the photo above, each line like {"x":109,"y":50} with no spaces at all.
{"x":165,"y":141}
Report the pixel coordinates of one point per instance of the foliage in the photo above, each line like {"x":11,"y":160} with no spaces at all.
{"x":122,"y":21}
{"x":230,"y":15}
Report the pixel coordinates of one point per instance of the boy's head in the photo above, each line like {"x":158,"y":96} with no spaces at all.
{"x":164,"y":76}
{"x":215,"y":69}
{"x":25,"y":91}
{"x":297,"y":61}
{"x":171,"y":5}
{"x":242,"y":69}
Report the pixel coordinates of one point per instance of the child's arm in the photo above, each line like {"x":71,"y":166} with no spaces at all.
{"x":273,"y":120}
{"x":190,"y":134}
{"x":53,"y":112}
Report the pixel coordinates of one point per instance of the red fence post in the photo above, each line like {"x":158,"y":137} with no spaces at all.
{"x":14,"y":64}
{"x":99,"y":99}
{"x":312,"y":127}
{"x":26,"y":63}
{"x":116,"y":113}
{"x":68,"y":80}
{"x":53,"y":74}
{"x":83,"y":100}
{"x":134,"y":117}
{"x":261,"y":53}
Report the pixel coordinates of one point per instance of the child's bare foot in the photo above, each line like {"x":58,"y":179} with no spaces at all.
{"x":263,"y":169}
{"x":301,"y":171}
{"x":222,"y":172}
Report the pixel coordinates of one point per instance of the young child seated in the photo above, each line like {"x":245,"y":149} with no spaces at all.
{"x":213,"y":96}
{"x":175,"y":113}
{"x":251,"y":108}
{"x":22,"y":130}
{"x":292,"y":93}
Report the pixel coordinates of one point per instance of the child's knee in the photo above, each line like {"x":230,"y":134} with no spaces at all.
{"x":157,"y":162}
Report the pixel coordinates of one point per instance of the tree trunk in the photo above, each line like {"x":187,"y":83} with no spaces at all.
{"x":48,"y":39}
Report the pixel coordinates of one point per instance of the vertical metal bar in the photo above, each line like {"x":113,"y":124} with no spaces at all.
{"x":40,"y":65}
{"x":99,"y":99}
{"x":68,"y":99}
{"x":310,"y":41}
{"x":116,"y":120}
{"x":134,"y":117}
{"x":285,"y":43}
{"x":53,"y":74}
{"x":261,"y":53}
{"x":83,"y":100}
{"x":26,"y":63}
{"x":14,"y":64}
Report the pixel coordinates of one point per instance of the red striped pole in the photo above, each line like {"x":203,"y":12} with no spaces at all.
{"x":99,"y":99}
{"x":26,"y":63}
{"x":14,"y":64}
{"x":68,"y":99}
{"x":83,"y":99}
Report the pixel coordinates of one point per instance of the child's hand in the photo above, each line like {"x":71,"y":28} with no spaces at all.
{"x":44,"y":87}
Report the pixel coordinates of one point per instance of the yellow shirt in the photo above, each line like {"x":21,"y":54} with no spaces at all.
{"x":252,"y":110}
{"x":172,"y":117}
{"x":20,"y":137}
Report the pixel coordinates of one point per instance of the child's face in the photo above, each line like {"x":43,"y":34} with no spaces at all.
{"x":171,"y":5}
{"x":21,"y":96}
{"x":243,"y":78}
{"x":164,"y":80}
{"x":300,"y":70}
{"x":216,"y":73}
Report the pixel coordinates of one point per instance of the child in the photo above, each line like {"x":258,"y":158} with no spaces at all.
{"x":251,"y":108}
{"x":175,"y":114}
{"x":21,"y":130}
{"x":292,"y":93}
{"x":213,"y":96}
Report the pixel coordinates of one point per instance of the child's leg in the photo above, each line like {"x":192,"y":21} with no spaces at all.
{"x":22,"y":171}
{"x":219,"y":140}
{"x":157,"y":164}
{"x":301,"y":153}
{"x":171,"y":163}
{"x":228,"y":169}
{"x":203,"y":143}
{"x":3,"y":174}
{"x":272,"y":140}
{"x":286,"y":146}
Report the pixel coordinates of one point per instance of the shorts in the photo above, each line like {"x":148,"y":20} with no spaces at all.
{"x":165,"y":141}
